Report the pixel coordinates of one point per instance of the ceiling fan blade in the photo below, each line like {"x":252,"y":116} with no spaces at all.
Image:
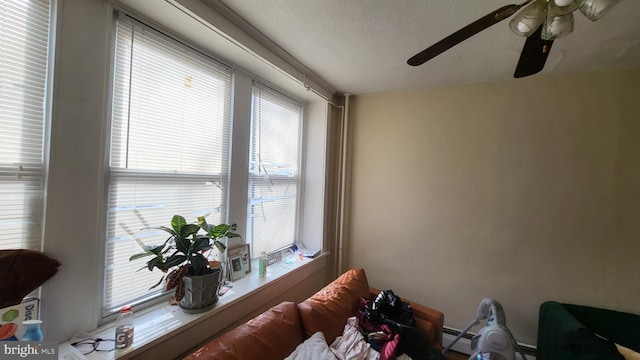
{"x":534,"y":55}
{"x":464,"y":33}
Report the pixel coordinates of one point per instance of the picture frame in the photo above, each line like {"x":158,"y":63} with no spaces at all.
{"x":236,"y":270}
{"x":245,"y":254}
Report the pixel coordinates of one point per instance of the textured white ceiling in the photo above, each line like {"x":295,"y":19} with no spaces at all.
{"x":361,"y":46}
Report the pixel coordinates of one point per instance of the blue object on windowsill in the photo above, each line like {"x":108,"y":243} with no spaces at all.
{"x":33,"y":331}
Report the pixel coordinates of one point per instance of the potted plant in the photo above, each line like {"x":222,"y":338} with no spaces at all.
{"x":182,"y":259}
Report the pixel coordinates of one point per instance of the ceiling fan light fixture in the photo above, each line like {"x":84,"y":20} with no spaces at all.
{"x":557,"y":26}
{"x":595,"y":9}
{"x":529,"y":19}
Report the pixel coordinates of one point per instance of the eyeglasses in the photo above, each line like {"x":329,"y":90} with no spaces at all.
{"x":89,"y":345}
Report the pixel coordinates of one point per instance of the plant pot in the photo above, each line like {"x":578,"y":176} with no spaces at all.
{"x":200,"y":292}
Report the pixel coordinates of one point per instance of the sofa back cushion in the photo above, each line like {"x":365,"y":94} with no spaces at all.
{"x":328,"y":309}
{"x":273,"y":334}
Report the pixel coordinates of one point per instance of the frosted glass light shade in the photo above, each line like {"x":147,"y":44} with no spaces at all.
{"x":562,"y":7}
{"x":557,"y":26}
{"x":595,"y":9}
{"x":563,"y":2}
{"x":527,"y":21}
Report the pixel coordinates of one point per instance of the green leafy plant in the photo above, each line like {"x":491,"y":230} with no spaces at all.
{"x":183,"y":253}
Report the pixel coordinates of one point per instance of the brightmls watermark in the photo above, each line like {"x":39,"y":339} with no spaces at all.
{"x":36,"y":350}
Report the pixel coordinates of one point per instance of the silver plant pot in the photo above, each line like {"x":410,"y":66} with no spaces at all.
{"x":200,"y":292}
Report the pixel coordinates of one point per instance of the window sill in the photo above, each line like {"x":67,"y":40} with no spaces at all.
{"x":158,"y":325}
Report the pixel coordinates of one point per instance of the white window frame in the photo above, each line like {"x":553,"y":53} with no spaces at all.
{"x":268,"y":174}
{"x":239,"y":176}
{"x":22,"y":177}
{"x":153,"y":172}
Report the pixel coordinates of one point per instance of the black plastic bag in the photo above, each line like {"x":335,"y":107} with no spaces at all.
{"x":389,"y":306}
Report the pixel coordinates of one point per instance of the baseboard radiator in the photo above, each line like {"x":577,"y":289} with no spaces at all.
{"x":464,"y":344}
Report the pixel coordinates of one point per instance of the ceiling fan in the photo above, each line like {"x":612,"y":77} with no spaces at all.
{"x":540,"y":21}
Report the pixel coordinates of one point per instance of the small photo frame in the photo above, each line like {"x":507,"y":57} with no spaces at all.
{"x":245,"y":254}
{"x":236,"y":269}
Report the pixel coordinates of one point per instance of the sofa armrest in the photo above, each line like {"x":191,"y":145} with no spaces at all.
{"x":429,"y":320}
{"x":554,"y":322}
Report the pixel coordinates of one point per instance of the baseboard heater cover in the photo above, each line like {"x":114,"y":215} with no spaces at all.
{"x":464,"y":344}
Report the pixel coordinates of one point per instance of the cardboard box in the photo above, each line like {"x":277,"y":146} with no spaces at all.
{"x":11,"y":318}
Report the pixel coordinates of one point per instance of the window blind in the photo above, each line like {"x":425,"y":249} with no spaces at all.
{"x":24,"y":41}
{"x":274,"y":171}
{"x":169,"y":151}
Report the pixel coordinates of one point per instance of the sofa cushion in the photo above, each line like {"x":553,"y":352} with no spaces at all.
{"x":328,"y":309}
{"x":589,"y":345}
{"x":620,"y":327}
{"x":273,"y":334}
{"x":557,"y":322}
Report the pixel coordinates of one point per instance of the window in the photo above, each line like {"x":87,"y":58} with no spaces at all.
{"x":169,"y":152}
{"x":24,"y":41}
{"x":274,"y":170}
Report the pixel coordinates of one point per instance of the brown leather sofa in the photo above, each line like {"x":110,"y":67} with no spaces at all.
{"x":275,"y":333}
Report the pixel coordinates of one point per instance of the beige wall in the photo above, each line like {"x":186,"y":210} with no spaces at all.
{"x":523,"y":191}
